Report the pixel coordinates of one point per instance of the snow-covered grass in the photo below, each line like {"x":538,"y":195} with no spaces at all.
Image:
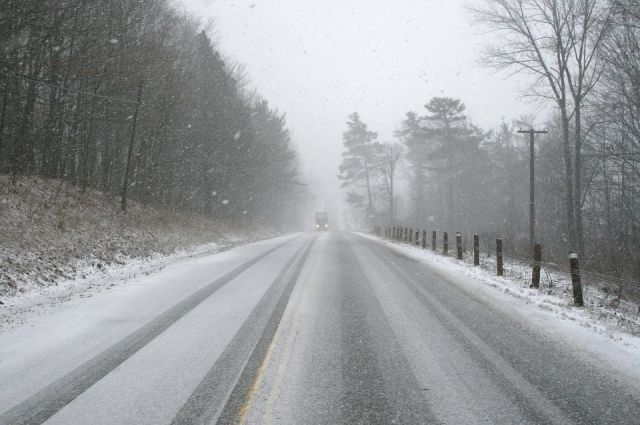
{"x":603,"y":306}
{"x":57,"y":241}
{"x":90,"y":281}
{"x":604,"y":313}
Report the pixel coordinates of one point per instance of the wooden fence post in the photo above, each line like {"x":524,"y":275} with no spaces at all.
{"x":424,"y":239}
{"x":445,"y":243}
{"x":535,"y":272}
{"x":417,"y":237}
{"x":433,"y":241}
{"x":499,"y":266}
{"x":476,"y":250}
{"x":459,"y":245}
{"x":410,"y":235}
{"x":575,"y":279}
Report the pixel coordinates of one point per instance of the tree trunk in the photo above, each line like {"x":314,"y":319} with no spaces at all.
{"x":370,"y":200}
{"x":420,"y":195}
{"x":568,"y":165}
{"x":578,"y":183}
{"x":391,"y":200}
{"x":2,"y":121}
{"x":23,"y":158}
{"x":449,"y":183}
{"x":125,"y":184}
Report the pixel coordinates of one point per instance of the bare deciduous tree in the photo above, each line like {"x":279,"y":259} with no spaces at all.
{"x":557,"y":42}
{"x":388,"y":159}
{"x":69,"y":74}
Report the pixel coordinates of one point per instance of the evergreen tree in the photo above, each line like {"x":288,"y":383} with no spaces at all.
{"x":358,"y":168}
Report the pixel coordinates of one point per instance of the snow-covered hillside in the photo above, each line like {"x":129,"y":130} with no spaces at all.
{"x":52,"y":233}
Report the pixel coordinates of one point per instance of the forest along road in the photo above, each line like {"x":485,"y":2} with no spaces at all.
{"x":321,"y":328}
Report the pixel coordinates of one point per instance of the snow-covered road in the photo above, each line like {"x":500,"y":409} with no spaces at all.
{"x":325,"y":327}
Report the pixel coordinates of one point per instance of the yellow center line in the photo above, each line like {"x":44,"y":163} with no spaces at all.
{"x":289,"y":325}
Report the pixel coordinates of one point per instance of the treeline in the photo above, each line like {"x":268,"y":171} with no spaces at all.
{"x":464,"y":178}
{"x":132,"y":98}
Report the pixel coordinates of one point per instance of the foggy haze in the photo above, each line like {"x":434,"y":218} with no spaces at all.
{"x":333,"y":211}
{"x":320,"y":61}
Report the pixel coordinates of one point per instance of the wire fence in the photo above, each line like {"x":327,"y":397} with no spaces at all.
{"x":488,"y":250}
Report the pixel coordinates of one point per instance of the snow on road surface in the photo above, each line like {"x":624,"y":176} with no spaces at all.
{"x":53,"y":345}
{"x":586,"y":328}
{"x":326,"y":327}
{"x":37,"y":300}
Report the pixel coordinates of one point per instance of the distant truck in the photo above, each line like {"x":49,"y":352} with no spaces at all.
{"x":322,"y":220}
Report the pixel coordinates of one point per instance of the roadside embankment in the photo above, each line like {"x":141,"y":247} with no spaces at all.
{"x":52,"y":232}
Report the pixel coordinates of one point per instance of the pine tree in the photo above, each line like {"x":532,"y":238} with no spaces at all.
{"x":358,"y":159}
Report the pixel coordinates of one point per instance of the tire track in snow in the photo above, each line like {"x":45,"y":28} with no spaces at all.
{"x":48,"y":401}
{"x":221,"y":394}
{"x":380,"y":386}
{"x":533,"y":401}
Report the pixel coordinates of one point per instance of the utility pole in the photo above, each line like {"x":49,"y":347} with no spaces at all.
{"x":532,"y":210}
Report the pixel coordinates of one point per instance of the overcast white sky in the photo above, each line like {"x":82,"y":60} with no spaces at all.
{"x":318,"y":61}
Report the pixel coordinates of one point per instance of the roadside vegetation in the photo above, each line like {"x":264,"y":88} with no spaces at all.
{"x":583,"y":59}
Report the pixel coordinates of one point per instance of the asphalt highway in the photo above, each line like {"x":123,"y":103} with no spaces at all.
{"x":316,"y":328}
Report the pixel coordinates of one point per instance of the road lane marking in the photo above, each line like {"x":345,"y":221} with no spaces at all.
{"x":220,"y":394}
{"x":261,"y":375}
{"x":294,"y":329}
{"x":45,"y":403}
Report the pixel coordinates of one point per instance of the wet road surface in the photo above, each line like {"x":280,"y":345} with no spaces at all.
{"x":320,"y":328}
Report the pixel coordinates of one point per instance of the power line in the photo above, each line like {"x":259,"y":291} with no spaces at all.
{"x":35,"y":80}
